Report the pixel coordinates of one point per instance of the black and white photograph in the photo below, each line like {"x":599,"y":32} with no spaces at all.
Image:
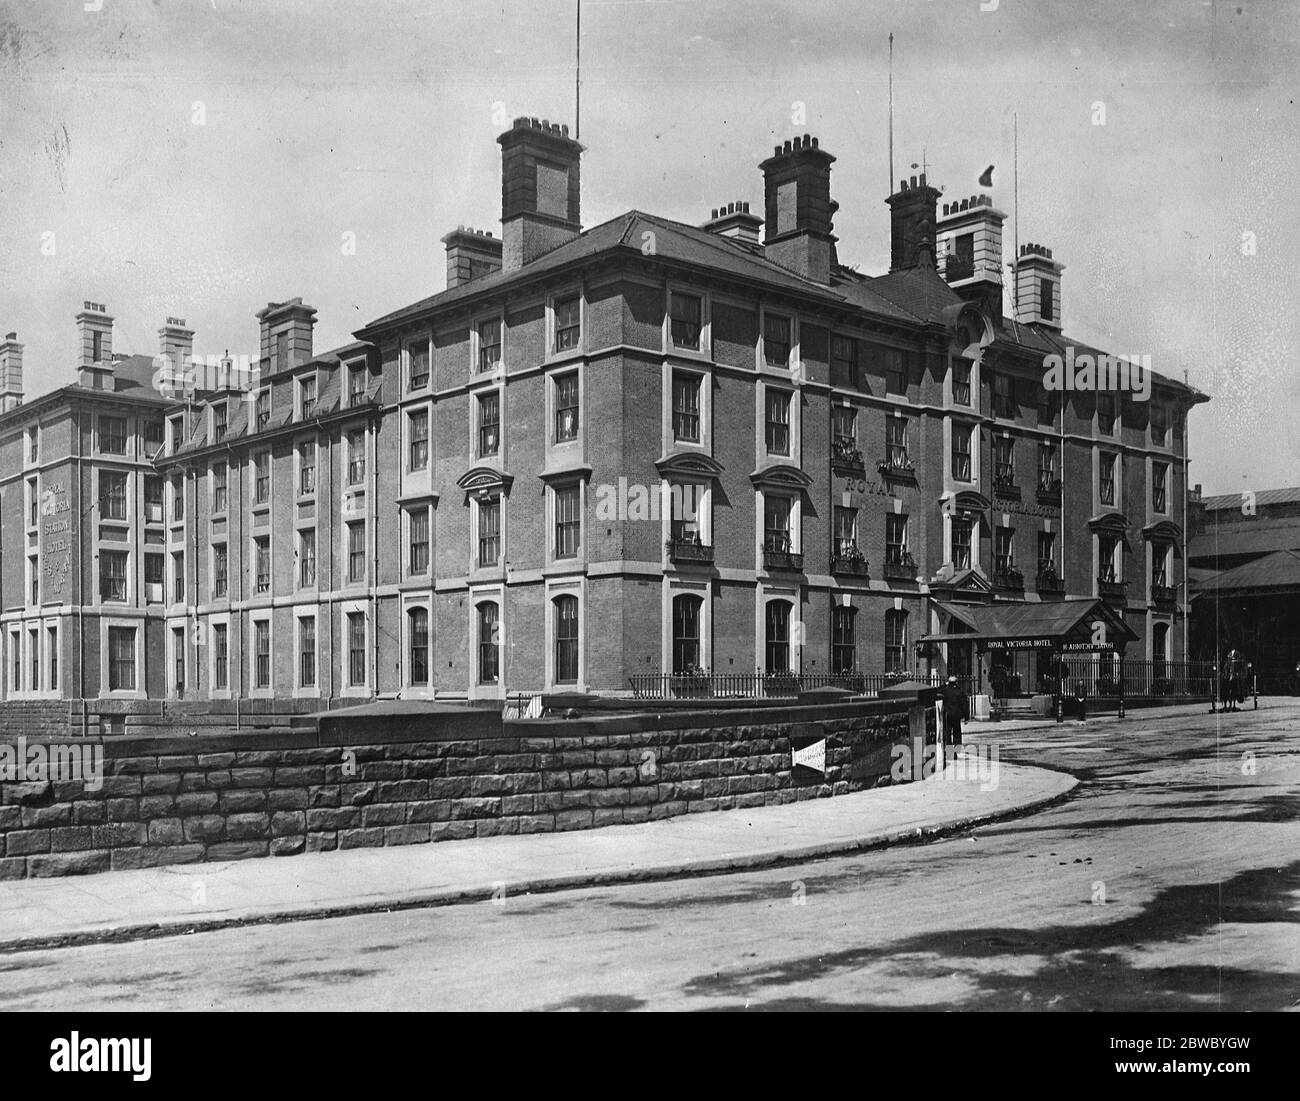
{"x":650,"y":505}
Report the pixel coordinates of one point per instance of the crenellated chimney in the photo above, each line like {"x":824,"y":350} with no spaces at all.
{"x":94,"y":347}
{"x":471,"y":254}
{"x":969,"y":241}
{"x":735,"y":221}
{"x":799,"y":208}
{"x":286,"y":331}
{"x":176,"y":343}
{"x":540,"y":190}
{"x":1038,"y":287}
{"x":11,"y":373}
{"x":912,"y":225}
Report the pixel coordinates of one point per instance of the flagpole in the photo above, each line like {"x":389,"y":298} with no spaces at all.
{"x":577,"y":74}
{"x":1015,"y":256}
{"x":890,"y":190}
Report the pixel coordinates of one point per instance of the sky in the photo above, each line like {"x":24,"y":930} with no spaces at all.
{"x":199,"y":158}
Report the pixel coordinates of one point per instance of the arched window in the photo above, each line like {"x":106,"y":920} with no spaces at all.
{"x":844,"y":649}
{"x":686,"y":632}
{"x":489,"y":664}
{"x":566,"y":640}
{"x":418,"y":641}
{"x":778,"y":636}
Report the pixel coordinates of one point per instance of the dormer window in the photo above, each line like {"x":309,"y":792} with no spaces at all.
{"x":263,"y":409}
{"x":219,"y":418}
{"x":356,"y":385}
{"x":307,"y":397}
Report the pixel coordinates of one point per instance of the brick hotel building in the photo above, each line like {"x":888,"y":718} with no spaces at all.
{"x":477,"y":495}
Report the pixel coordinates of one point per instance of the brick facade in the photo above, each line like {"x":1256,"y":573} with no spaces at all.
{"x":516,"y":543}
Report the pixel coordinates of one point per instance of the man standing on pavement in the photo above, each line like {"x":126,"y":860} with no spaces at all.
{"x":956,"y":707}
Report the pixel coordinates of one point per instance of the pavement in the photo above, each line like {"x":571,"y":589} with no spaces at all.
{"x":990,"y":728}
{"x":179,"y":899}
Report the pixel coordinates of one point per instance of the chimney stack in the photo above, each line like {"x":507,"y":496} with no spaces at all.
{"x":11,"y":373}
{"x":176,"y":346}
{"x":286,"y":332}
{"x":540,"y":190}
{"x":969,"y":240}
{"x":912,"y":225}
{"x":799,"y":208}
{"x":471,"y":254}
{"x":95,"y":347}
{"x":735,"y":221}
{"x":1038,"y":287}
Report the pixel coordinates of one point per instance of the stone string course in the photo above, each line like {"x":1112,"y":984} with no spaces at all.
{"x":159,"y":806}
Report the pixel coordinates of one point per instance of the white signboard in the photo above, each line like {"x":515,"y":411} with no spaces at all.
{"x":811,"y":756}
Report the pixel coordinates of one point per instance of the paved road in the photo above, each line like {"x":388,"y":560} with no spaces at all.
{"x":1170,"y":880}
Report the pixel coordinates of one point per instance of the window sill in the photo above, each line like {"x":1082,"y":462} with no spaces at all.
{"x":695,"y":355}
{"x":566,"y":355}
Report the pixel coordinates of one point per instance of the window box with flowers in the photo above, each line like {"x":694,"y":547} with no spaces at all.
{"x":847,"y":459}
{"x":848,"y":559}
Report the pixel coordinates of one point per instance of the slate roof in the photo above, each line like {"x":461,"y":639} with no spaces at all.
{"x":1051,"y":619}
{"x":912,"y":296}
{"x":131,"y":375}
{"x":1254,"y":540}
{"x":1263,"y":497}
{"x":329,"y":395}
{"x":1279,"y":570}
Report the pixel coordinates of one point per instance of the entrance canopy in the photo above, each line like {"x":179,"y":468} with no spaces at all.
{"x":1080,"y":624}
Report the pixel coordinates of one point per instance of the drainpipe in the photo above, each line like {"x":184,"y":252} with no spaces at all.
{"x":1187,"y":589}
{"x":372,"y":511}
{"x":81,"y":588}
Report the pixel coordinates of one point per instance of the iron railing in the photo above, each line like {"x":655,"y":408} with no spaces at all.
{"x":689,"y":550}
{"x":664,"y":686}
{"x":1091,"y":677}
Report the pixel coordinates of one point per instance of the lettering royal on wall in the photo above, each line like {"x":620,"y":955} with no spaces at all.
{"x":56,"y":537}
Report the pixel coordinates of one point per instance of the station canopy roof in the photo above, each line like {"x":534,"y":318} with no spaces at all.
{"x":1274,"y":574}
{"x":1068,"y":624}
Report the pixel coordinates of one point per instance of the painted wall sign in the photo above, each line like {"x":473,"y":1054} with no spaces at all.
{"x":56,"y":538}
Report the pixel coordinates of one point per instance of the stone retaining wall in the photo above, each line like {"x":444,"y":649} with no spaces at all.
{"x":350,"y":785}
